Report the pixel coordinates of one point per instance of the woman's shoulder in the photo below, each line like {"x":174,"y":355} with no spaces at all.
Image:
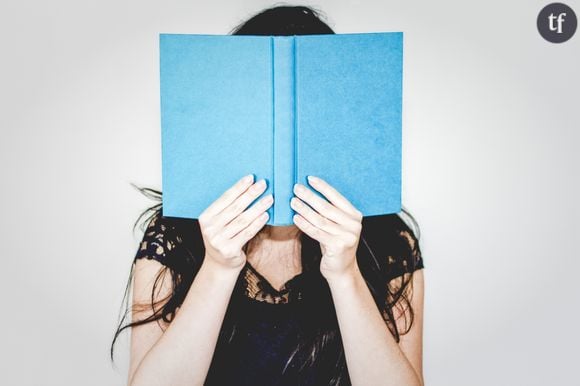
{"x":159,"y":238}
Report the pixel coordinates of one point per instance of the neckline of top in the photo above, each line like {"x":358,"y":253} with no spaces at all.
{"x":259,"y":286}
{"x":286,"y":284}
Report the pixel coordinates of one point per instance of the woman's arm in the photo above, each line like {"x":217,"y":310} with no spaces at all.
{"x":182,"y":354}
{"x":373,"y":356}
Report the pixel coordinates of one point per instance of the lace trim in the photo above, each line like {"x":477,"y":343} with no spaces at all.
{"x":258,"y":288}
{"x":155,"y":244}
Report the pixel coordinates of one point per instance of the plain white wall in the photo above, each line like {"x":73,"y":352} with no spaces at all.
{"x":490,"y":172}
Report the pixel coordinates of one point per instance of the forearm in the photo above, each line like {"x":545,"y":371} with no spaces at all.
{"x":372,"y":354}
{"x":183,"y":354}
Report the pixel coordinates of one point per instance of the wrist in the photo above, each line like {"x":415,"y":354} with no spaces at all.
{"x":218,"y":271}
{"x":346,"y":279}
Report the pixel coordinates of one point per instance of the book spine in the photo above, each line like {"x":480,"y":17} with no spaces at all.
{"x":284,"y":127}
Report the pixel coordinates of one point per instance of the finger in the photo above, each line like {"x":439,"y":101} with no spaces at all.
{"x":228,"y":196}
{"x":322,"y":206}
{"x":240,"y":204}
{"x":243,"y":220}
{"x":334,"y":196}
{"x":312,"y":231}
{"x":313,"y":217}
{"x":250,"y":231}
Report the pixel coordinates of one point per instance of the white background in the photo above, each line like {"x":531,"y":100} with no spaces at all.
{"x":490,"y":171}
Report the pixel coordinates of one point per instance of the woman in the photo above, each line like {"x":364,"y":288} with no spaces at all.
{"x":335,"y":299}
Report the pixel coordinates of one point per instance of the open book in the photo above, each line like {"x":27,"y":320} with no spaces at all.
{"x":282,"y":108}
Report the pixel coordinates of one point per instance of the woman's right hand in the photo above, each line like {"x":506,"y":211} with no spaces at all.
{"x":226,"y":226}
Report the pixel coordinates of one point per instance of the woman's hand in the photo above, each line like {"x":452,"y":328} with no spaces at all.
{"x":336,"y":226}
{"x":226,"y":225}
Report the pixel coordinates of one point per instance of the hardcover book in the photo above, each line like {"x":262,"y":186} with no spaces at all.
{"x":281,"y":108}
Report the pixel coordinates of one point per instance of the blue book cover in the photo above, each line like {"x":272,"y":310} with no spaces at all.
{"x":281,"y":108}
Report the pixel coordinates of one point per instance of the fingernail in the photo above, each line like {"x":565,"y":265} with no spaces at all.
{"x":258,"y":186}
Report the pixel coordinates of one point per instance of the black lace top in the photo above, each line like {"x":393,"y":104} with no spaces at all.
{"x":268,"y":323}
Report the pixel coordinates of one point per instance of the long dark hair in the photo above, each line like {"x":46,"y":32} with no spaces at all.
{"x":388,"y":249}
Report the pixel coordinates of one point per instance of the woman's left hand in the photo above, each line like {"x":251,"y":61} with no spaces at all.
{"x":336,"y":225}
